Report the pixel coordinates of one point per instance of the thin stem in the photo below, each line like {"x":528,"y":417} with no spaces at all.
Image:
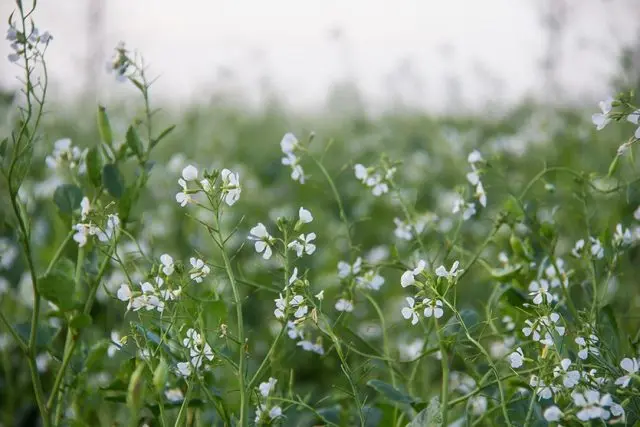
{"x":444,"y":394}
{"x":243,"y":421}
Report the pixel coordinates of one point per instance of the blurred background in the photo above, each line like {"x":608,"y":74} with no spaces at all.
{"x":442,"y":56}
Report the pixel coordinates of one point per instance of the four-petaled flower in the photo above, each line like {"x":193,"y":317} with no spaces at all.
{"x":410,"y":312}
{"x":516,"y":359}
{"x":199,"y":271}
{"x":451,"y":274}
{"x":433,"y":307}
{"x":631,"y":367}
{"x":602,"y":119}
{"x":408,"y":278}
{"x":263,"y":240}
{"x":230,"y":186}
{"x":303,"y":244}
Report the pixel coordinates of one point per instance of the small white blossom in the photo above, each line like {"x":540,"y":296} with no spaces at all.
{"x":174,"y":395}
{"x":168,"y":266}
{"x":408,"y":277}
{"x":588,"y":345}
{"x":267,"y":387}
{"x":433,"y":307}
{"x":200,"y":269}
{"x":410,"y":312}
{"x":263,"y":240}
{"x":597,"y":251}
{"x":593,"y":406}
{"x":190,"y":173}
{"x":516,"y":359}
{"x":305,"y":216}
{"x":553,"y":413}
{"x":569,"y":378}
{"x":289,"y":143}
{"x":230,"y":186}
{"x":450,"y":274}
{"x":344,"y":305}
{"x":602,"y":119}
{"x":631,"y":367}
{"x":303,"y":244}
{"x":345,"y":269}
{"x":539,"y":290}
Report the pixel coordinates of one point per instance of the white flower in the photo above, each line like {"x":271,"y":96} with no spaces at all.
{"x":370,"y":280}
{"x":345,"y":269}
{"x":597,"y":250}
{"x":124,"y":294}
{"x":262,"y":239}
{"x":403,"y":230}
{"x":633,"y":118}
{"x":631,"y":367}
{"x":85,"y":208}
{"x":267,"y":387}
{"x":588,"y":345}
{"x":167,"y":264}
{"x":481,"y":195}
{"x":305,"y":216}
{"x":433,"y":307}
{"x":320,"y":295}
{"x":451,"y":274}
{"x":473,"y":177}
{"x":553,"y":413}
{"x":230,"y":186}
{"x":81,"y":236}
{"x":602,"y":119}
{"x":408,"y":277}
{"x":622,"y":237}
{"x":174,"y":395}
{"x":303,"y":244}
{"x":361,"y":172}
{"x":636,"y":213}
{"x":12,"y":34}
{"x":183,"y":197}
{"x":297,"y":173}
{"x":468,"y":209}
{"x":289,"y":143}
{"x":542,"y":390}
{"x":184,"y":369}
{"x":516,"y":359}
{"x":569,"y":378}
{"x":309,"y":346}
{"x":293,"y":278}
{"x":509,"y":324}
{"x":478,"y":405}
{"x":281,"y":305}
{"x":301,"y":311}
{"x":190,"y":173}
{"x":577,"y":249}
{"x":539,"y":290}
{"x":409,"y":312}
{"x":474,"y":157}
{"x":344,"y":305}
{"x":592,"y":405}
{"x":199,"y":271}
{"x":378,"y":185}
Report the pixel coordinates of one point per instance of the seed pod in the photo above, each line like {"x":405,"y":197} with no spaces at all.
{"x":160,"y":376}
{"x":135,"y":392}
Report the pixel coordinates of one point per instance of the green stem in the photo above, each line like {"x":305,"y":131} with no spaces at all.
{"x":444,"y":395}
{"x":243,"y":421}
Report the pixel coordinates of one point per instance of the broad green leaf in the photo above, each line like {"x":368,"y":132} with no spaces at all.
{"x":104,"y":127}
{"x":80,"y":321}
{"x":57,"y":288}
{"x":112,"y":180}
{"x":390,"y":392}
{"x":134,"y":142}
{"x":429,"y":417}
{"x":67,"y":197}
{"x":94,"y":166}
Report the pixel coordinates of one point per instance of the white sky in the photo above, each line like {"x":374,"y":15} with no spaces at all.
{"x":415,"y":48}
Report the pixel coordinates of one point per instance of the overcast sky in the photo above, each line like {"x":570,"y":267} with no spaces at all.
{"x":415,"y":49}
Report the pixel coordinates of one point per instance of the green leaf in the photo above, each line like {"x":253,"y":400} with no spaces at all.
{"x":112,"y":180}
{"x":80,"y":321}
{"x":162,"y":135}
{"x":67,"y":197}
{"x":104,"y":127}
{"x":429,"y":417}
{"x":3,"y":147}
{"x":390,"y":392}
{"x":507,"y":273}
{"x":96,"y":356}
{"x":470,"y":318}
{"x":44,"y":335}
{"x":57,"y":288}
{"x":609,"y":331}
{"x":134,"y":142}
{"x":94,"y":166}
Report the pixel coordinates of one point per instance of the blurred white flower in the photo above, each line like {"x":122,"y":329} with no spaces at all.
{"x":516,"y":359}
{"x":408,"y":278}
{"x":569,"y":378}
{"x":553,"y":413}
{"x":199,"y":271}
{"x":631,"y":367}
{"x":303,"y":244}
{"x":190,"y":173}
{"x":344,"y":305}
{"x":602,"y":119}
{"x":168,"y":266}
{"x":451,"y":274}
{"x":230,"y":186}
{"x":263,"y":240}
{"x":345,"y":269}
{"x":266,"y":388}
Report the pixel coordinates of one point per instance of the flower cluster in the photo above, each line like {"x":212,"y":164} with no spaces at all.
{"x":265,"y":411}
{"x":229,"y":186}
{"x":66,"y":156}
{"x":290,"y":146}
{"x":84,"y":230}
{"x":376,"y":178}
{"x":22,"y":43}
{"x":200,"y":353}
{"x":468,"y":209}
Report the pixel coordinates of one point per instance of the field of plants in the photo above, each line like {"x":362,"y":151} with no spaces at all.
{"x":232,"y":267}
